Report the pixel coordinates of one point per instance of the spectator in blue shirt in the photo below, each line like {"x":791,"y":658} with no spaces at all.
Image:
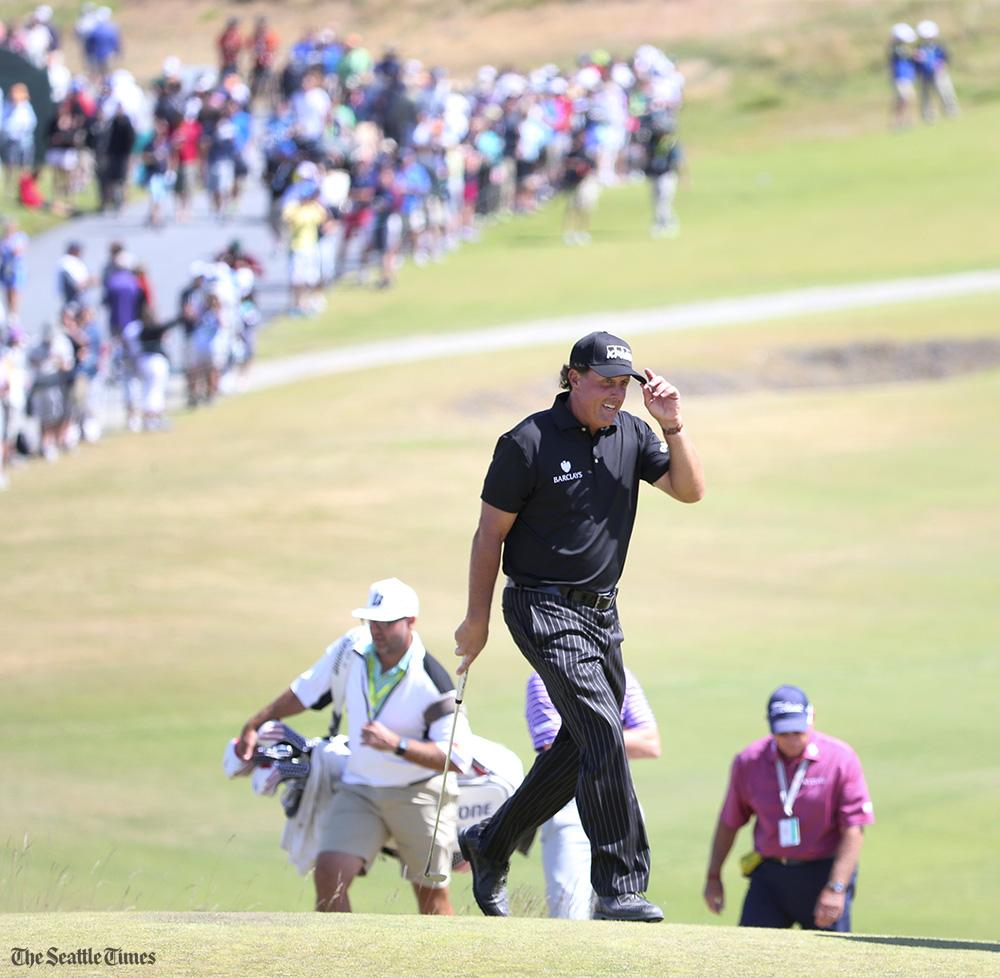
{"x":415,"y":183}
{"x":103,"y":42}
{"x":933,"y":76}
{"x":902,"y":73}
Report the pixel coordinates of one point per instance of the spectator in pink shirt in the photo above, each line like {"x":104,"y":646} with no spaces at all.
{"x":808,"y":795}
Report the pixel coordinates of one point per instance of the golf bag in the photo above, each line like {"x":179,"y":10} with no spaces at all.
{"x":283,"y":760}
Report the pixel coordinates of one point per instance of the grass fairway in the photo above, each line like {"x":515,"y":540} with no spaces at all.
{"x":159,"y":589}
{"x":220,"y":945}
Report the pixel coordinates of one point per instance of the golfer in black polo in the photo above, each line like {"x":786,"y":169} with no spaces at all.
{"x":558,"y":504}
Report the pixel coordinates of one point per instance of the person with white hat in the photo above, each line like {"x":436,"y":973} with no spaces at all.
{"x":103,"y":42}
{"x":902,"y":74}
{"x":400,"y":705}
{"x":933,"y":76}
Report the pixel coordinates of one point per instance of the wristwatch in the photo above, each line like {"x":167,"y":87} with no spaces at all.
{"x":404,"y":745}
{"x":836,"y":886}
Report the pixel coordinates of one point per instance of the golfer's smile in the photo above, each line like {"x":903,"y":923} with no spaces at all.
{"x":596,"y":400}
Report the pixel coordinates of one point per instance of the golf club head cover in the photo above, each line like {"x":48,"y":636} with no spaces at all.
{"x":265,"y":780}
{"x":232,"y":764}
{"x":276,"y":732}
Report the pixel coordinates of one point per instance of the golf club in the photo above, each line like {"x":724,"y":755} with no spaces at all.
{"x":459,"y":694}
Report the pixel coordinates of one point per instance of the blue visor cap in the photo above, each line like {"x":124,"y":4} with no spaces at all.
{"x":789,"y":710}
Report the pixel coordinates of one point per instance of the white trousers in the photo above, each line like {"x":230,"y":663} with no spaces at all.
{"x":566,"y":860}
{"x":941,"y":86}
{"x":154,"y":372}
{"x":664,"y":192}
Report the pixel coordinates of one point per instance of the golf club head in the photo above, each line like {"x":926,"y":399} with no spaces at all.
{"x":435,"y":877}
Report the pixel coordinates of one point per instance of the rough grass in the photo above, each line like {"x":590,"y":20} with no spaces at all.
{"x":219,"y":945}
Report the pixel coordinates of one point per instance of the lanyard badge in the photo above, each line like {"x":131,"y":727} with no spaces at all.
{"x":376,"y":695}
{"x":789,"y":833}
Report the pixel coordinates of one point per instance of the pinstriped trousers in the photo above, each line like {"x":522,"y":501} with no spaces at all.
{"x":577,"y":652}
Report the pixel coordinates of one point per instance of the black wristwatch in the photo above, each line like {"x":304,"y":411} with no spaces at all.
{"x":403,"y":746}
{"x":836,"y":886}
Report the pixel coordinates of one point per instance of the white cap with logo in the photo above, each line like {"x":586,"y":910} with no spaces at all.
{"x":389,"y":600}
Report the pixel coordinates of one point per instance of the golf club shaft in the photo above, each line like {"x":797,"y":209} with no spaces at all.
{"x":459,"y":695}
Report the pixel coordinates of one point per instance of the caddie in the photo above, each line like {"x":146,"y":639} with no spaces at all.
{"x":808,"y":794}
{"x":400,"y":704}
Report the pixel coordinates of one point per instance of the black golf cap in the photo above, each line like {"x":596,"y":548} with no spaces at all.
{"x":605,"y":354}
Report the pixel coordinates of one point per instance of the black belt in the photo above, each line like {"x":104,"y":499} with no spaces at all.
{"x":781,"y":861}
{"x":598,"y":600}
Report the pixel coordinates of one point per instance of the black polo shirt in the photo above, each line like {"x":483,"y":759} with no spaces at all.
{"x":574,"y":494}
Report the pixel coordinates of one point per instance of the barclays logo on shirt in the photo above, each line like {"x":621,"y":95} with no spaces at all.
{"x":567,"y":476}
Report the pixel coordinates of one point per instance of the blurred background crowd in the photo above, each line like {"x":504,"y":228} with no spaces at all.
{"x":366,"y":160}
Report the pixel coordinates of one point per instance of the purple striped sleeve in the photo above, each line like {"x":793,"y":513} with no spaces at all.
{"x":543,"y":718}
{"x":636,"y":711}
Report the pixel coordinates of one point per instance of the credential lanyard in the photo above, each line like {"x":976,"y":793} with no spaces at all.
{"x":786,"y":794}
{"x":375,"y":698}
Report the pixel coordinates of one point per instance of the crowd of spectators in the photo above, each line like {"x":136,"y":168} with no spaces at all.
{"x":402,"y":160}
{"x":109,"y":335}
{"x":367,"y":161}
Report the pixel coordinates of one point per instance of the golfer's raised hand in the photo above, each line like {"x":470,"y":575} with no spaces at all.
{"x":663,"y":400}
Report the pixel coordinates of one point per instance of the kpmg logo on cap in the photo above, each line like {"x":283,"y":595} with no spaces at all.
{"x":616,"y":352}
{"x":376,"y":599}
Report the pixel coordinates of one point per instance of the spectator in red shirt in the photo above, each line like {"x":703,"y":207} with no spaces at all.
{"x":230,"y":43}
{"x":186,"y":141}
{"x":808,"y":795}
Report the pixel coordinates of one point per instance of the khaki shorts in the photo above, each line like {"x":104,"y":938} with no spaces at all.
{"x":361,"y":819}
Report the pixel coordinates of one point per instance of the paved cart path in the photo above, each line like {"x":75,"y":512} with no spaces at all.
{"x":744,"y":310}
{"x":168,"y":253}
